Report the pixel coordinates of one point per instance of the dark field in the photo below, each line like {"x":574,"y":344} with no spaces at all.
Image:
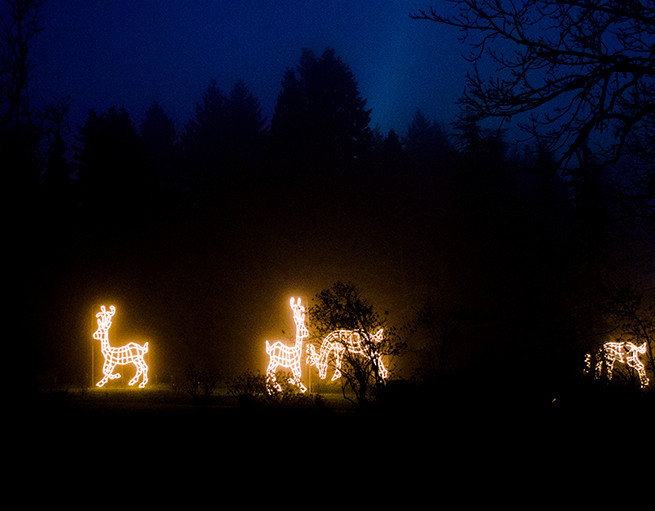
{"x":155,"y":445}
{"x":162,"y":418}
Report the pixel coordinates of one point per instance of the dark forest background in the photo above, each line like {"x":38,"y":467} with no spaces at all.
{"x":501,"y":270}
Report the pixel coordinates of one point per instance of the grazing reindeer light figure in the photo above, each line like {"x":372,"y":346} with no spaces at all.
{"x":282,"y":355}
{"x":338,"y":341}
{"x":131,"y":353}
{"x":612,"y":352}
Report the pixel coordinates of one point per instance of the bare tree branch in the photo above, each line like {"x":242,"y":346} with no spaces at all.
{"x":579,"y":70}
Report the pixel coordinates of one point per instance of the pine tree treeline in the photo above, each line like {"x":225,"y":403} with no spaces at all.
{"x":320,"y":128}
{"x":320,"y":117}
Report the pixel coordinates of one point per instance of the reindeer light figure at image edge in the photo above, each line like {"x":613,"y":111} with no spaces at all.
{"x":612,"y":352}
{"x":131,"y":353}
{"x":282,"y":355}
{"x":338,"y":341}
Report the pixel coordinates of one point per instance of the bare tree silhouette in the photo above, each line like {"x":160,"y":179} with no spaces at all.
{"x":581,"y":71}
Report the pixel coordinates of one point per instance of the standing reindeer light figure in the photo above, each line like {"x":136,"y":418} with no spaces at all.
{"x":281,"y":355}
{"x":131,"y":353}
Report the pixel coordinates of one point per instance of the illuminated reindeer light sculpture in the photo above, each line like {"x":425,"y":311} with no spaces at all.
{"x":282,"y":355}
{"x":612,"y":352}
{"x":338,"y":341}
{"x":131,"y":353}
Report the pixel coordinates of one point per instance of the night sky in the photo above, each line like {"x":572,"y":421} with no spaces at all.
{"x":123,"y":53}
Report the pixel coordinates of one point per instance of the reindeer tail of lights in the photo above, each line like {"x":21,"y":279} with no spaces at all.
{"x":281,"y":355}
{"x":612,"y":352}
{"x":131,"y":353}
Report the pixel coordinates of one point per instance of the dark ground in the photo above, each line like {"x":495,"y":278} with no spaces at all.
{"x":155,"y":448}
{"x":106,"y":425}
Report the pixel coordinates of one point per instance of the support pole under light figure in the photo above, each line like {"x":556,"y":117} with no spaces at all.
{"x":282,"y":355}
{"x":131,"y":353}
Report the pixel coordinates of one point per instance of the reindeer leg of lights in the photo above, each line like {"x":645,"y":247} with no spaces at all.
{"x":381,"y":369}
{"x":378,"y":337}
{"x":587,"y":364}
{"x":633,"y":361}
{"x":273,"y":354}
{"x":594,"y":362}
{"x":281,"y":355}
{"x":613,"y":352}
{"x":318,"y":359}
{"x":338,"y":355}
{"x":131,"y":353}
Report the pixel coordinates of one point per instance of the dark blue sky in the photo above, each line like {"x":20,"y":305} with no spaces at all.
{"x":126,"y":52}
